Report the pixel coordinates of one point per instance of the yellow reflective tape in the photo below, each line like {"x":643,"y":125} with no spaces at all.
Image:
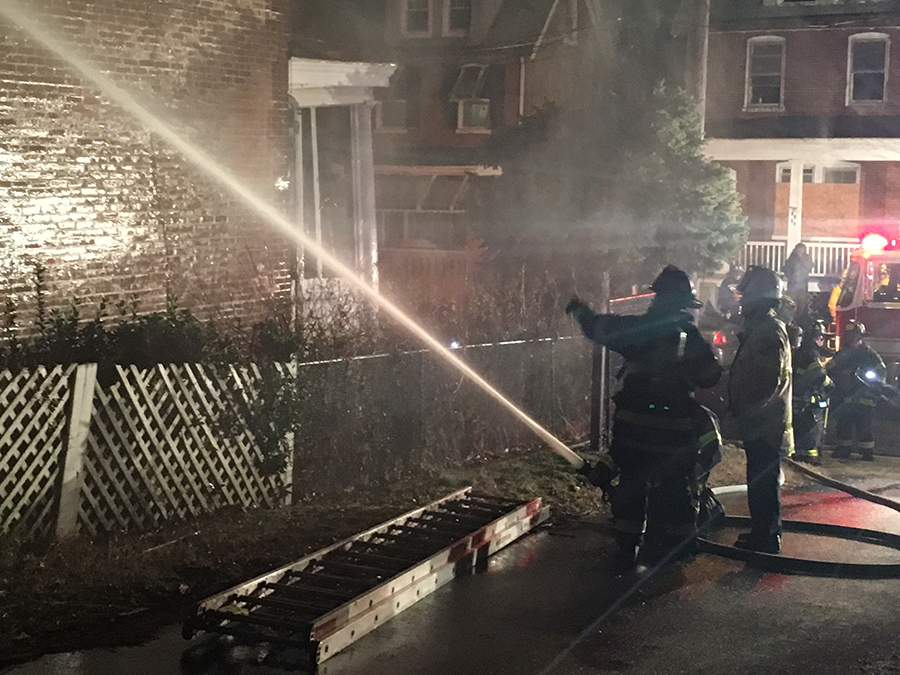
{"x":709,"y":437}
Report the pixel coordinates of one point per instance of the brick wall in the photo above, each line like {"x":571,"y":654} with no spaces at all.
{"x":99,"y":200}
{"x":815,"y":78}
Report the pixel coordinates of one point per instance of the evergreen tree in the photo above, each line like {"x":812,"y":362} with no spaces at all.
{"x":622,"y":185}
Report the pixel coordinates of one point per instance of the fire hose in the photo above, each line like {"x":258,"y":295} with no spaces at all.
{"x":788,"y":565}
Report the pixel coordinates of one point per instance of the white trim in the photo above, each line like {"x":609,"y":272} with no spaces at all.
{"x":480,"y":171}
{"x":748,"y":88}
{"x":446,"y":31}
{"x":404,"y":28}
{"x":461,"y":128}
{"x":812,"y":150}
{"x":867,"y":37}
{"x":314,"y":82}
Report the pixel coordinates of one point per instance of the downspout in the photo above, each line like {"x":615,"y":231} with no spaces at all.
{"x":521,"y":88}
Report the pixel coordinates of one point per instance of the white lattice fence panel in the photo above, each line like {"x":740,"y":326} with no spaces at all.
{"x":154,"y":452}
{"x":32,"y":427}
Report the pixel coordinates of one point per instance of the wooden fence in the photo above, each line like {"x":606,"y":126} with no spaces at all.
{"x":80,"y":456}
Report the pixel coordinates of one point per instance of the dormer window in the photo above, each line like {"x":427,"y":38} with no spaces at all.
{"x":417,"y":18}
{"x":457,"y":17}
{"x":867,"y":68}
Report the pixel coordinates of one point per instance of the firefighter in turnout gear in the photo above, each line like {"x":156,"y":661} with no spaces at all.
{"x":854,"y":400}
{"x":811,"y":388}
{"x":759,"y":398}
{"x":654,"y":436}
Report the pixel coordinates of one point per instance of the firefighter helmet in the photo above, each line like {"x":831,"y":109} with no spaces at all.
{"x":855,"y":327}
{"x":674,"y":286}
{"x":760,"y":283}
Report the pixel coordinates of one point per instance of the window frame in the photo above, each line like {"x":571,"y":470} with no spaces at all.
{"x":818,"y":172}
{"x":749,"y":105}
{"x":479,"y":82}
{"x":461,"y":114}
{"x":380,"y":125}
{"x":449,"y":31}
{"x":404,"y":21}
{"x":868,"y":37}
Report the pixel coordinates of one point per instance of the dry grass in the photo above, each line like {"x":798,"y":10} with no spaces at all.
{"x":80,"y":593}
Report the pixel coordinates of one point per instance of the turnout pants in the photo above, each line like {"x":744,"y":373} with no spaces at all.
{"x":655,"y":495}
{"x":855,"y":419}
{"x":763,"y":492}
{"x":809,"y":427}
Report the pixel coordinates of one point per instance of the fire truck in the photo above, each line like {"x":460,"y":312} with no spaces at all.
{"x":870,"y":293}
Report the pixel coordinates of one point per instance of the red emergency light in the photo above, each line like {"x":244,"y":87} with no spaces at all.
{"x":719,"y":339}
{"x":875,"y":243}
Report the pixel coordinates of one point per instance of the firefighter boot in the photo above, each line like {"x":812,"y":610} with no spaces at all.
{"x":769,"y":543}
{"x":867,"y":451}
{"x":667,"y":550}
{"x":626,"y":553}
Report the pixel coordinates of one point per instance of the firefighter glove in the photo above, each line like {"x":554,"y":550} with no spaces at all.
{"x":575,"y":305}
{"x":602,"y":474}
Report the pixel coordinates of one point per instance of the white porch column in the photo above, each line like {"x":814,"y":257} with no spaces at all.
{"x":364,"y":192}
{"x":795,"y":206}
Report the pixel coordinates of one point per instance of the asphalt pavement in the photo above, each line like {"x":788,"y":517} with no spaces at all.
{"x":550,"y":604}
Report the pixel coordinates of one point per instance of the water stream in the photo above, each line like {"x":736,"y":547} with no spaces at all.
{"x":14,"y":13}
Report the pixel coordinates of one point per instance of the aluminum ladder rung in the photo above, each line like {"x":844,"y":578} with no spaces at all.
{"x":275,"y":601}
{"x":302,"y":589}
{"x":362,"y":572}
{"x":331,"y":578}
{"x":259,"y":619}
{"x":353,"y":554}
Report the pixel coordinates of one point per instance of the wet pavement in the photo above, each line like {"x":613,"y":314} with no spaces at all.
{"x":549,"y":604}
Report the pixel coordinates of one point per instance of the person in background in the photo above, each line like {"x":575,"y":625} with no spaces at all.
{"x":759,"y":399}
{"x":728,"y":300}
{"x":855,"y":369}
{"x":655,"y":431}
{"x":811,"y":387}
{"x":797,"y":269}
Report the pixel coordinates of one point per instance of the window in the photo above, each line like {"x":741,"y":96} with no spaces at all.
{"x":765,"y":71}
{"x":399,"y":109}
{"x":473,"y":111}
{"x":887,"y":283}
{"x":840,"y":174}
{"x":846,"y":173}
{"x":391,"y":115}
{"x":417,"y":17}
{"x":468,"y":83}
{"x":784,"y":174}
{"x":457,"y":16}
{"x":867,"y":68}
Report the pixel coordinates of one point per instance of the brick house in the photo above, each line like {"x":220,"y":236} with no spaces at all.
{"x":116,"y":215}
{"x":466,"y":69}
{"x":803,"y":104}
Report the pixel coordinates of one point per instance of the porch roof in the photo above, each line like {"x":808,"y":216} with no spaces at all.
{"x":317,"y":82}
{"x":814,"y":150}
